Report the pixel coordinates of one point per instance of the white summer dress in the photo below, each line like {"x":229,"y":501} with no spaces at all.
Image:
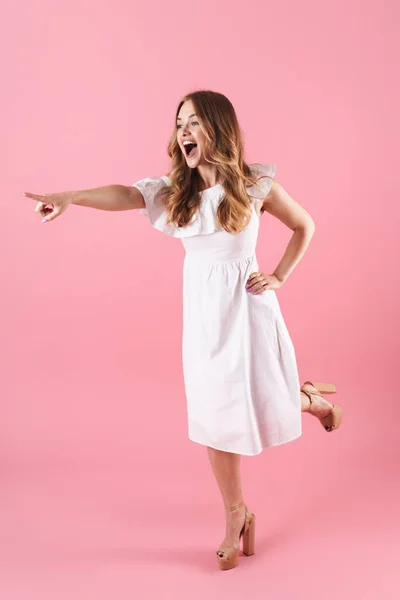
{"x":239,"y":365}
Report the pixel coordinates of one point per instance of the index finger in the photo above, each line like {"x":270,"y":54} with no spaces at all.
{"x":38,"y":197}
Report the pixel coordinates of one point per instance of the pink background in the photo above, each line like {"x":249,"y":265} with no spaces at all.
{"x":103,"y":495}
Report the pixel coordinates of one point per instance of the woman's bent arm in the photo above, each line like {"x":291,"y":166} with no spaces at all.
{"x":109,"y":197}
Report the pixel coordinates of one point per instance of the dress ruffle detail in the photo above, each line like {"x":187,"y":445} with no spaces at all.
{"x":205,"y":221}
{"x":267,"y":174}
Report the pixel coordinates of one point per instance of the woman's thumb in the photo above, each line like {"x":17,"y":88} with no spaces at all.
{"x":51,"y":216}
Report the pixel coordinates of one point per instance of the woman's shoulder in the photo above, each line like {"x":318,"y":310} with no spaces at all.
{"x":265,"y":173}
{"x":263,"y":169}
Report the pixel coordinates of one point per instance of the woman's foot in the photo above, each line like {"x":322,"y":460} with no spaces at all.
{"x":234,"y":523}
{"x":319,"y":407}
{"x":312,"y":401}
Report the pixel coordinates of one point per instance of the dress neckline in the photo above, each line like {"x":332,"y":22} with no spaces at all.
{"x":217,"y":185}
{"x":213,"y":187}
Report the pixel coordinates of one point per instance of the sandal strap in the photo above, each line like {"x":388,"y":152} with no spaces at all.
{"x":309,"y":393}
{"x":235,"y":506}
{"x":225,"y":549}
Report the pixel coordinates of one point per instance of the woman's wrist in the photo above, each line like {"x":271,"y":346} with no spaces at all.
{"x":280,"y":278}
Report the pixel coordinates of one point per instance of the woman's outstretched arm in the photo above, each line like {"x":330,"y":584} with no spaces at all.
{"x":108,"y":197}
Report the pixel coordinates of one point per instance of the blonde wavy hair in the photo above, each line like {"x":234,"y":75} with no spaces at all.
{"x":224,"y":148}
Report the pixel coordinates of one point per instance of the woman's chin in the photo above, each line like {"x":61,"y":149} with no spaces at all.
{"x":192,"y":162}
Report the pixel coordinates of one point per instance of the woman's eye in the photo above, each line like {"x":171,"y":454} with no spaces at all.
{"x":193,"y":123}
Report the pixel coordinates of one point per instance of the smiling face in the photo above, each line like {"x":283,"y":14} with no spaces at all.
{"x":189,"y":135}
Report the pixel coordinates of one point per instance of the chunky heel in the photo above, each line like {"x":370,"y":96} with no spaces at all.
{"x":249,"y":537}
{"x":324,"y":388}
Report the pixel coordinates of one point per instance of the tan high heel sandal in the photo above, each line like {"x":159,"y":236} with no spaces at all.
{"x":312,"y":388}
{"x":228,"y":556}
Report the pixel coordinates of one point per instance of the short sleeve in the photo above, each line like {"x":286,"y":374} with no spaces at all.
{"x":266,"y":172}
{"x":150,"y":188}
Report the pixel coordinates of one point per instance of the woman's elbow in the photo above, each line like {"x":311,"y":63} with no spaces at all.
{"x":307,"y":227}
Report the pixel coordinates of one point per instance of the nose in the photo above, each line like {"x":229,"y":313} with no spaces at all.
{"x":184,"y":130}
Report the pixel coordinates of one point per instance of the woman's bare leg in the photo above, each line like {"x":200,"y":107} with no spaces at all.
{"x":226,"y":468}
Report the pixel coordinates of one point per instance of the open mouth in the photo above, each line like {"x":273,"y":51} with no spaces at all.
{"x":190,"y":149}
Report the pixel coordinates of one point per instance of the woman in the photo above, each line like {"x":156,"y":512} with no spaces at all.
{"x":241,"y":380}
